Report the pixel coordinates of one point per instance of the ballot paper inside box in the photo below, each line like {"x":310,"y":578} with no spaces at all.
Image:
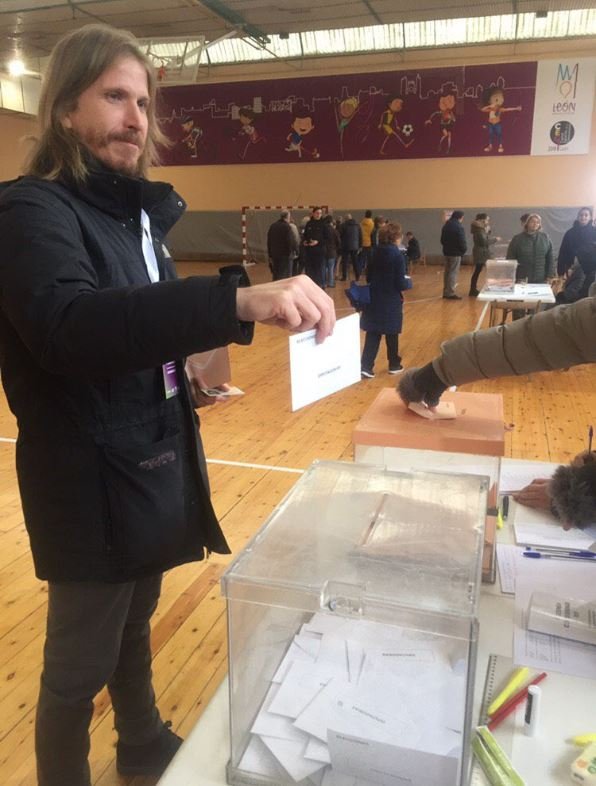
{"x":352,"y":621}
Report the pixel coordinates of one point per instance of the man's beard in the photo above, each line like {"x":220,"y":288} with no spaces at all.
{"x":96,"y":141}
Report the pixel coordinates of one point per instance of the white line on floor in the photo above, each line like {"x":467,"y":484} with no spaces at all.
{"x":255,"y":466}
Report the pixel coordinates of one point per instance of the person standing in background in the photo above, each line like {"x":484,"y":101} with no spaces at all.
{"x":366,"y":225}
{"x":332,"y":246}
{"x":582,"y":233}
{"x":313,"y":241}
{"x":351,"y":241}
{"x":453,"y":241}
{"x":281,"y":246}
{"x":413,"y":251}
{"x":383,"y":316}
{"x":482,"y":240}
{"x":534,"y":252}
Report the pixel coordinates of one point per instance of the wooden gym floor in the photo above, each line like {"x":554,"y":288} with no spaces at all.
{"x":255,"y":445}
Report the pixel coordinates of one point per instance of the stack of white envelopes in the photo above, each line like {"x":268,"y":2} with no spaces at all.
{"x":356,"y":702}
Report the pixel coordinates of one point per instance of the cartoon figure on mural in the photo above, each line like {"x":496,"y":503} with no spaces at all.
{"x":388,"y":124}
{"x":492,"y":102}
{"x":247,"y":129}
{"x":345,"y":112}
{"x":301,"y":126}
{"x":194,"y":135}
{"x":447,"y":119}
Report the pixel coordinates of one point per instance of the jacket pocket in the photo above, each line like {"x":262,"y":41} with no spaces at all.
{"x":145,"y":495}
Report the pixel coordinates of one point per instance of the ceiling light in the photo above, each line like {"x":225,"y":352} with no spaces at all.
{"x":16,"y":67}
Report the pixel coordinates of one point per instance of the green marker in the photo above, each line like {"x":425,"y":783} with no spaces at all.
{"x":498,"y":756}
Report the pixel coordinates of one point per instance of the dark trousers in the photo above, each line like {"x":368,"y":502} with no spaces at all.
{"x":314,"y":266}
{"x":365,"y":258}
{"x":97,"y":634}
{"x":371,"y":348}
{"x":281,"y":267}
{"x":475,"y":275}
{"x":347,"y":258}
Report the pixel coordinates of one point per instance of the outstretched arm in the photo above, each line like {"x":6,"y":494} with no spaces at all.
{"x":293,"y":304}
{"x":549,"y":340}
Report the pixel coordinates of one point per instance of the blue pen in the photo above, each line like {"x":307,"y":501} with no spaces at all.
{"x":563,"y":552}
{"x":576,"y":558}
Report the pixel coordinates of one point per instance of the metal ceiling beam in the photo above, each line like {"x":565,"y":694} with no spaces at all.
{"x":237,"y":20}
{"x":372,"y":12}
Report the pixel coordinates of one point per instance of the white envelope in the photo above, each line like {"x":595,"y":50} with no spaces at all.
{"x":291,"y":757}
{"x":384,"y":764}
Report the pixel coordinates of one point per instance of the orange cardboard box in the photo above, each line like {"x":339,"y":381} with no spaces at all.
{"x":478,"y":428}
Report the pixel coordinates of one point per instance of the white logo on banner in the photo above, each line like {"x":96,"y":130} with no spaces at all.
{"x":563,"y":107}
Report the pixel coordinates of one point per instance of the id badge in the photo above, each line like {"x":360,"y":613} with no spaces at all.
{"x":170,"y":379}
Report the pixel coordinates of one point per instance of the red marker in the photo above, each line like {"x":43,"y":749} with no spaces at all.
{"x":507,"y":708}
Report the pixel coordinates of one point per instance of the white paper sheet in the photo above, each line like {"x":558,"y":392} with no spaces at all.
{"x":506,"y":554}
{"x":539,"y":528}
{"x":517,"y":474}
{"x":384,"y":763}
{"x":291,"y":757}
{"x":539,"y":650}
{"x":317,"y":370}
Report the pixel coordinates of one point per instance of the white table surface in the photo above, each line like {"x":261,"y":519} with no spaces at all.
{"x":530,"y":293}
{"x":567,"y":709}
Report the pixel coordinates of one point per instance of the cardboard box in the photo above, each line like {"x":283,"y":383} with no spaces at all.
{"x":478,"y":428}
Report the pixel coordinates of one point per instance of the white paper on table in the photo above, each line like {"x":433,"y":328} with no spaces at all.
{"x":291,"y":757}
{"x":317,"y":370}
{"x":384,"y":763}
{"x":540,"y":528}
{"x":515,"y":475}
{"x":506,"y":554}
{"x":539,"y":650}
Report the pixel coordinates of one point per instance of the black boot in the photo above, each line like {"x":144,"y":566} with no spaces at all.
{"x":152,"y":758}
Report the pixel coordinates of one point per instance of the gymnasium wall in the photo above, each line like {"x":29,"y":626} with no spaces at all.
{"x":413,"y":191}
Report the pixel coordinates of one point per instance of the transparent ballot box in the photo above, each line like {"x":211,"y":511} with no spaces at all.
{"x":500,"y":275}
{"x":352,"y":625}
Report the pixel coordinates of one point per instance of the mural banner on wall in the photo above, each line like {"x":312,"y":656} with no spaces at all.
{"x":481,"y":110}
{"x":563,"y":109}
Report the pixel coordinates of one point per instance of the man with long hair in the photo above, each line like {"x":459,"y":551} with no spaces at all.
{"x":94,"y":329}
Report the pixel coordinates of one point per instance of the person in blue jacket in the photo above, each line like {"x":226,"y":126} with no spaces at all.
{"x":386,"y":275}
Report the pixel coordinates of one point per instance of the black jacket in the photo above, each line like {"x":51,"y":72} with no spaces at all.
{"x":413,"y":250}
{"x":351,"y":235}
{"x":111,"y":472}
{"x":453,"y":238}
{"x":331,"y":241}
{"x":281,"y":241}
{"x":573,"y":241}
